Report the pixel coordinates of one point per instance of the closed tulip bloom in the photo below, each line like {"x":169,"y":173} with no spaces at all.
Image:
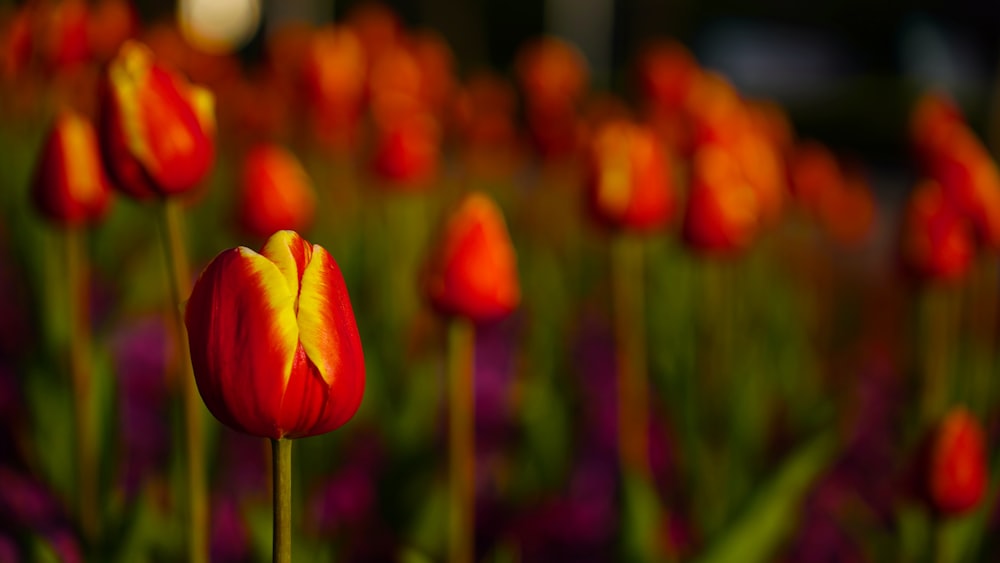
{"x":938,"y":241}
{"x":274,"y":343}
{"x":629,"y":178}
{"x":70,"y":187}
{"x":407,"y":151}
{"x":156,"y":129}
{"x":666,"y":73}
{"x":276,"y":192}
{"x":473,"y":271}
{"x":957,"y":472}
{"x":722,"y":212}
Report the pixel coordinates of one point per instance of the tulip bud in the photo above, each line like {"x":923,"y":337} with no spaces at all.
{"x":957,"y":473}
{"x":722,"y":209}
{"x":666,"y":73}
{"x":277,"y":193}
{"x":473,"y":271}
{"x":274,"y":343}
{"x":69,"y":186}
{"x":156,"y":129}
{"x":938,"y":241}
{"x":407,"y":151}
{"x":628,"y":178}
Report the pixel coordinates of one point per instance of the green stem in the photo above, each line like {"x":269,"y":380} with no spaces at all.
{"x":630,"y":337}
{"x":461,"y":442}
{"x":281,"y":471}
{"x":938,"y":337}
{"x":81,"y":362}
{"x":179,"y":276}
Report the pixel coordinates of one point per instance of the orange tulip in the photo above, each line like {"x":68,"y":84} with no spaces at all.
{"x":723,"y":210}
{"x":274,"y":343}
{"x":276,"y":192}
{"x":407,"y":151}
{"x":156,"y":129}
{"x":70,"y":187}
{"x":334,"y":72}
{"x":957,"y":473}
{"x":666,"y":73}
{"x":473,"y":270}
{"x":629,"y":177}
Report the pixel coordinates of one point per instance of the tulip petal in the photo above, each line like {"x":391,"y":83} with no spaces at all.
{"x":290,"y":253}
{"x":332,"y":346}
{"x":243,"y":335}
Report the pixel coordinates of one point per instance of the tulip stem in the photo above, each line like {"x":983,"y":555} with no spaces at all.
{"x":461,"y":442}
{"x":633,"y":384}
{"x":81,"y":376}
{"x":281,"y":475}
{"x":179,"y":278}
{"x":939,"y":326}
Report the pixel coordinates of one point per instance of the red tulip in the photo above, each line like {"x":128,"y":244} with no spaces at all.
{"x":276,"y":192}
{"x":957,"y":472}
{"x":938,"y":241}
{"x":723,"y":210}
{"x":156,"y":129}
{"x":629,"y":177}
{"x":407,"y":151}
{"x":70,"y":187}
{"x":334,"y":71}
{"x":274,"y":343}
{"x":666,"y":73}
{"x":473,"y":272}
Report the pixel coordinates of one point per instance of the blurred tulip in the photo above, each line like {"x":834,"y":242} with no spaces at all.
{"x":937,"y":239}
{"x":848,"y":214}
{"x":62,"y":40}
{"x":274,"y":343}
{"x":111,"y":23}
{"x":813,"y":173}
{"x":437,"y":72}
{"x":276,"y":192}
{"x":717,"y":113}
{"x":70,"y":187}
{"x":931,"y":120}
{"x":377,"y":27}
{"x":666,"y":73}
{"x":764,"y":169}
{"x":334,"y":72}
{"x":957,"y":473}
{"x":407,"y":151}
{"x":553,"y":76}
{"x":156,"y":129}
{"x":629,"y":178}
{"x":16,"y":42}
{"x":722,"y":212}
{"x":473,"y":269}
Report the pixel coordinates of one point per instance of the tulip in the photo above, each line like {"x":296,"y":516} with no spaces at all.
{"x":474,"y":271}
{"x":722,"y":208}
{"x":274,"y":344}
{"x":957,"y":471}
{"x":938,"y":241}
{"x":70,"y":187}
{"x":334,"y":69}
{"x":629,"y":178}
{"x":156,"y":129}
{"x":407,"y":151}
{"x":277,"y":193}
{"x":666,"y":73}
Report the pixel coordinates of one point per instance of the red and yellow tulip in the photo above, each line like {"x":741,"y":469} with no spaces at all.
{"x":70,"y":187}
{"x":629,"y":177}
{"x":274,"y":343}
{"x":157,"y":131}
{"x":473,"y":271}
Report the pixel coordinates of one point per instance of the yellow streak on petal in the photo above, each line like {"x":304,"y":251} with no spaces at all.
{"x":82,"y":169}
{"x":127,"y":73}
{"x":203,"y":103}
{"x":278,"y":250}
{"x":319,"y":339}
{"x":280,"y":303}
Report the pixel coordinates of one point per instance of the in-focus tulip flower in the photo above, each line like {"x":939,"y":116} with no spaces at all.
{"x":276,"y":192}
{"x":957,"y":471}
{"x":156,"y":129}
{"x":938,"y":241}
{"x":722,"y":212}
{"x":629,"y":177}
{"x":70,"y":187}
{"x":274,"y":343}
{"x":473,"y":270}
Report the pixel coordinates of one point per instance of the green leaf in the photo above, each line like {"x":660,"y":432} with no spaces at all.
{"x":771,"y":515}
{"x":641,"y":518}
